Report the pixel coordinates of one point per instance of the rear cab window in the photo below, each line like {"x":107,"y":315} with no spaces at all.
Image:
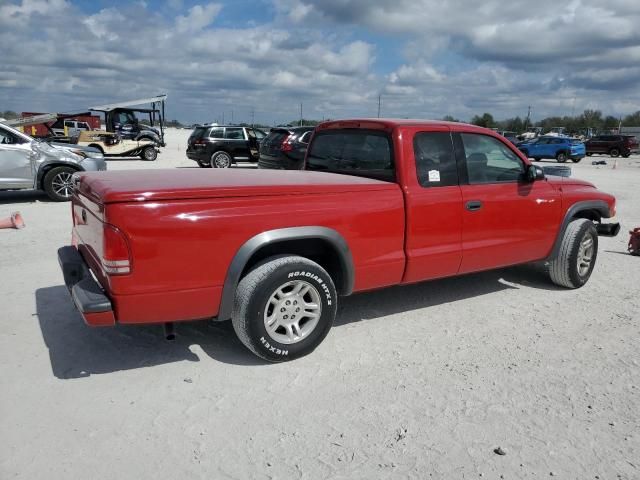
{"x":362,"y":153}
{"x":435,"y":159}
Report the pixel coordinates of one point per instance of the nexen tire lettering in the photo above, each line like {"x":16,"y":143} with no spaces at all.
{"x":313,"y":276}
{"x":273,"y":349}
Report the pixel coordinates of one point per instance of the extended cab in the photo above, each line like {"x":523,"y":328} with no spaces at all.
{"x":383,"y":202}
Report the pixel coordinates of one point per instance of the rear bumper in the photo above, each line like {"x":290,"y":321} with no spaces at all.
{"x":88,"y":297}
{"x":198,"y":156}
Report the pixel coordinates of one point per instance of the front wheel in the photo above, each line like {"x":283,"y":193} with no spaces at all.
{"x":576,"y":258}
{"x":58,"y":183}
{"x":149,"y":154}
{"x":561,"y":157}
{"x":284,"y":308}
{"x":614,"y":152}
{"x":221,"y":160}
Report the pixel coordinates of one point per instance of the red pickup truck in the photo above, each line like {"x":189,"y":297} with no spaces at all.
{"x":382,"y":202}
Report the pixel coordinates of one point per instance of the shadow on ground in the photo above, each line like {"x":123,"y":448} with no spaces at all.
{"x":22,"y":196}
{"x":76,"y":350}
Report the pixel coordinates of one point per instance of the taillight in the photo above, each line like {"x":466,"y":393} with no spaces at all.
{"x":116,"y":259}
{"x":286,"y":146}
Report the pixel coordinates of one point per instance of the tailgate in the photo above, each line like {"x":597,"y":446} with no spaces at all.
{"x":88,"y":219}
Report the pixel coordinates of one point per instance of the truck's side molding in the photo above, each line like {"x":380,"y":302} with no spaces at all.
{"x":282,"y":235}
{"x":574,"y":211}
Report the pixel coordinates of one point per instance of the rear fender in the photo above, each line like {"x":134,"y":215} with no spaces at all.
{"x":273,"y":237}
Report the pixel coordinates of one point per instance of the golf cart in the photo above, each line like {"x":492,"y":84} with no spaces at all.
{"x":121,"y":120}
{"x":113,"y":145}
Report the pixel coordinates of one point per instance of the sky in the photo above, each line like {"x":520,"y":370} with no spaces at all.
{"x":259,"y":60}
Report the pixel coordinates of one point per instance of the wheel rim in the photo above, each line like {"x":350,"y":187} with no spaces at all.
{"x":149,"y":154}
{"x":615,"y":153}
{"x":222,"y":160}
{"x":585,"y":255}
{"x":562,"y":157}
{"x":292,"y":312}
{"x":62,"y":184}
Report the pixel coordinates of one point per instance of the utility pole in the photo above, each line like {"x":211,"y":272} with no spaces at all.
{"x":253,"y":114}
{"x":223,"y":117}
{"x":300,"y":113}
{"x":526,"y":122}
{"x":379,"y":99}
{"x":231,"y":117}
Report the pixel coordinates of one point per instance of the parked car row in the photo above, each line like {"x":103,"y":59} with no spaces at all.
{"x":221,"y":146}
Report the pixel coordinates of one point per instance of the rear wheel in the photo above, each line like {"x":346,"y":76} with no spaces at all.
{"x":576,"y":258}
{"x":614,"y":152}
{"x":575,"y":160}
{"x":58,"y":183}
{"x":149,"y":154}
{"x":284,"y":308}
{"x":221,"y":160}
{"x":561,"y":157}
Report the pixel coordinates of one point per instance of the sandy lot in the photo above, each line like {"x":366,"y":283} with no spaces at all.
{"x":417,"y":382}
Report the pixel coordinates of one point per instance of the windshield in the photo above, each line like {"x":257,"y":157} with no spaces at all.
{"x":363,"y":153}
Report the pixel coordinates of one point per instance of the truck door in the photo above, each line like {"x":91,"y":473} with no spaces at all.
{"x":433,"y":201}
{"x":506,"y":219}
{"x":16,"y":162}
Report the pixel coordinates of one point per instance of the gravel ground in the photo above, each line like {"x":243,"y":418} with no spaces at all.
{"x":417,"y":382}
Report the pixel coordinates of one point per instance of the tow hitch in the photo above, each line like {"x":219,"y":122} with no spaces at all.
{"x":608,"y":229}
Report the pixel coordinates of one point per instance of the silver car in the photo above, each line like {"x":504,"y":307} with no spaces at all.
{"x":27,"y":163}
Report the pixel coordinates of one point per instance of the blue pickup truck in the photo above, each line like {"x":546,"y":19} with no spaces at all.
{"x":560,"y":148}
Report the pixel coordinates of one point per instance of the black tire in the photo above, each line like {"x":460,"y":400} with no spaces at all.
{"x":149,"y":154}
{"x":614,"y":152}
{"x":576,"y":160}
{"x":565,"y":269}
{"x":221,"y":159}
{"x":589,"y":154}
{"x":561,"y":157}
{"x":252,"y":304}
{"x":626,"y":156}
{"x":58,"y":185}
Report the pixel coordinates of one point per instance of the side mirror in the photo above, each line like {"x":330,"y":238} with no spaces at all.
{"x":534,"y":173}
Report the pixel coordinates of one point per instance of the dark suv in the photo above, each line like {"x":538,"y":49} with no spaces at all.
{"x":284,"y":148}
{"x":221,"y":146}
{"x":614,"y":145}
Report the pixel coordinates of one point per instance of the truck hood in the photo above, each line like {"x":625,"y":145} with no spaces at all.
{"x":178,"y":184}
{"x":566,"y":181}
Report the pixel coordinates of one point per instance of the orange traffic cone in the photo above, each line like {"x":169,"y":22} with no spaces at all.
{"x":14,"y":221}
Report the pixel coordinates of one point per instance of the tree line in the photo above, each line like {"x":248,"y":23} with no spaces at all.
{"x":588,"y":119}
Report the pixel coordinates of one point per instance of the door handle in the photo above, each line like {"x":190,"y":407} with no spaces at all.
{"x":473,"y":205}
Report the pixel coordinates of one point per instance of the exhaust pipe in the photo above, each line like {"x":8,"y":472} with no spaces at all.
{"x":169,"y":332}
{"x":608,"y":229}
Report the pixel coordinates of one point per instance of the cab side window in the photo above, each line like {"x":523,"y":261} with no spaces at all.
{"x":435,"y":161}
{"x":490,"y":161}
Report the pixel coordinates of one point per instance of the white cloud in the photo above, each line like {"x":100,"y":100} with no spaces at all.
{"x":198,"y":18}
